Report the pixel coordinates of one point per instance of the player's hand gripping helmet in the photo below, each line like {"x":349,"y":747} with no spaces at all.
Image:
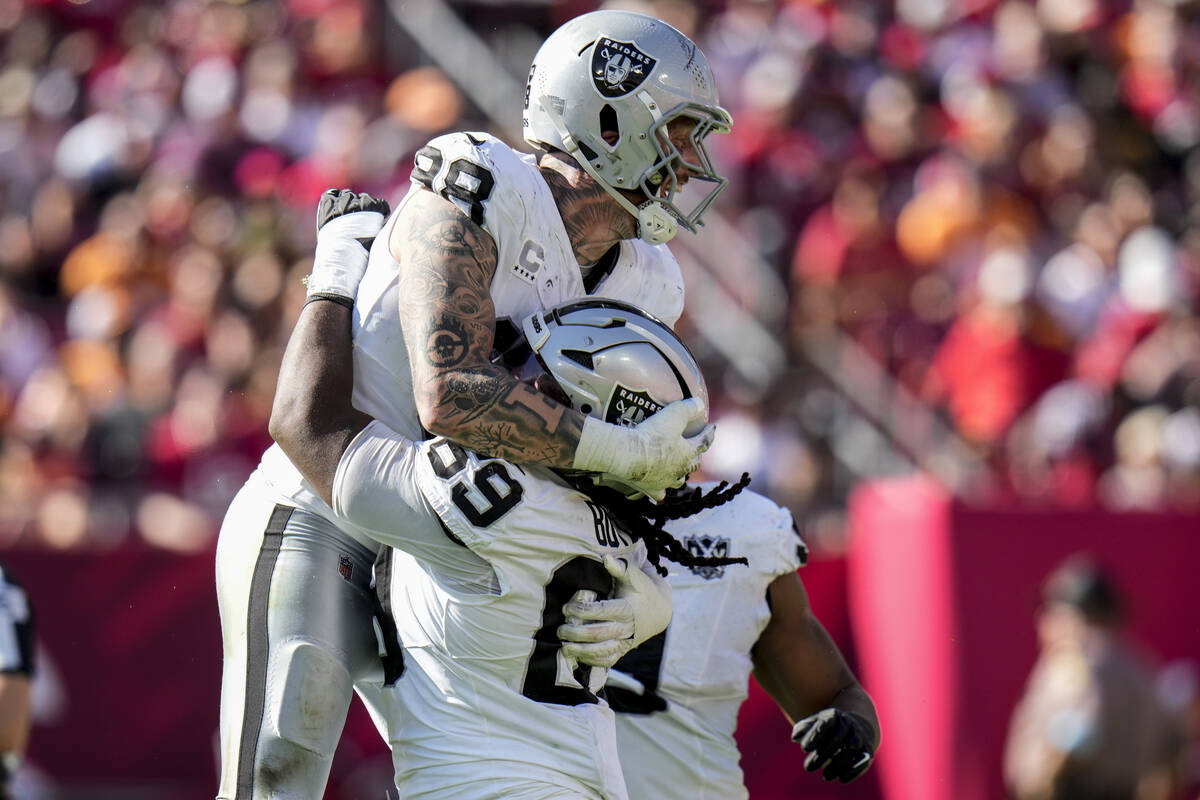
{"x":634,"y":75}
{"x":613,"y":361}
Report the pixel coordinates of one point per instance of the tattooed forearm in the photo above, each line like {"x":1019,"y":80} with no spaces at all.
{"x":489,"y":437}
{"x":465,"y":396}
{"x":448,"y":319}
{"x":498,"y":439}
{"x":488,"y":410}
{"x":547,"y":410}
{"x":446,"y":346}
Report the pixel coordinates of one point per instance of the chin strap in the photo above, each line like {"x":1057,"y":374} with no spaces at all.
{"x":656,"y":225}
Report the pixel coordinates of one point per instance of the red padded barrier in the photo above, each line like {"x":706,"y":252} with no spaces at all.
{"x":942,"y":599}
{"x":131,"y":671}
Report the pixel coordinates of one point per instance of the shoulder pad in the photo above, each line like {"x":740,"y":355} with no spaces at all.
{"x":778,"y":526}
{"x":457,"y":166}
{"x":649,"y":277}
{"x":480,"y":174}
{"x":763,"y":530}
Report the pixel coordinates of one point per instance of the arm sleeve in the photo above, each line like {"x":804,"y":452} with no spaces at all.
{"x":16,"y":629}
{"x":782,"y":547}
{"x":794,"y":550}
{"x":375,"y":488}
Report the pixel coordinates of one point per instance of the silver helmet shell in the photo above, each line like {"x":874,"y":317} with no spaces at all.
{"x":632,"y":74}
{"x":613,"y":361}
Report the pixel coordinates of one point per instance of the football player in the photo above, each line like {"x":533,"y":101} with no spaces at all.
{"x":677,"y":696}
{"x":490,"y":703}
{"x":619,"y":106}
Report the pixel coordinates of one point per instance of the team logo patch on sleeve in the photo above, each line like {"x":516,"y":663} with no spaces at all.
{"x":627,"y":407}
{"x":707,"y":547}
{"x":619,"y":67}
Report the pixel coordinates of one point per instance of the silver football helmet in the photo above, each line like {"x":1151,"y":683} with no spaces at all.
{"x":634,"y":75}
{"x":613,"y":361}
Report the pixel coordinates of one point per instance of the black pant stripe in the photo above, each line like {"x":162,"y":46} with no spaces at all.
{"x":393,"y":659}
{"x":258,"y":649}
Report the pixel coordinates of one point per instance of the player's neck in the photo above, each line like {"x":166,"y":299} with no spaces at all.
{"x":593,"y":219}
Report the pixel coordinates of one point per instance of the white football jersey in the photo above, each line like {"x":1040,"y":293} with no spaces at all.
{"x":678,"y":695}
{"x":503,"y":191}
{"x":487,"y":699}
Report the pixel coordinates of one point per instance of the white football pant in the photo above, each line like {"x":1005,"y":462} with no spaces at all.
{"x":297,"y":615}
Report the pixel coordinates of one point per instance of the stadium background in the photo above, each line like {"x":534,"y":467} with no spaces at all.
{"x":948,"y":315}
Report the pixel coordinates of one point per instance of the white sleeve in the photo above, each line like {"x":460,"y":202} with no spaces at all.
{"x":375,"y":488}
{"x":768,"y":534}
{"x":795,"y":549}
{"x":648,"y":277}
{"x":473,"y":171}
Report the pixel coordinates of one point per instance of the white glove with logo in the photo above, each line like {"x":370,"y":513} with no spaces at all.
{"x":347,"y":224}
{"x":653,"y":456}
{"x":599,"y":632}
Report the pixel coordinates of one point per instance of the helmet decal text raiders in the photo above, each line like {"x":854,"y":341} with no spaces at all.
{"x":630,"y":407}
{"x":618,"y":68}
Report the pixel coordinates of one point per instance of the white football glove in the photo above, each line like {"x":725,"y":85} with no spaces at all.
{"x":347,"y":223}
{"x":653,"y":456}
{"x":599,"y":632}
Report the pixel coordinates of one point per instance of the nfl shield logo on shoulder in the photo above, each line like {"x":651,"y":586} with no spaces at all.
{"x":708,"y":547}
{"x":345,"y":567}
{"x":619,"y":67}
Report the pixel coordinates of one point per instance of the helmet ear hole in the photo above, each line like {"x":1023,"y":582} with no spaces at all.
{"x":586,"y":408}
{"x":609,"y":124}
{"x":588,"y":152}
{"x":580,"y":357}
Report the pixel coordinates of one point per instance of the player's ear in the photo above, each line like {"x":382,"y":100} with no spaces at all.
{"x":610,"y":137}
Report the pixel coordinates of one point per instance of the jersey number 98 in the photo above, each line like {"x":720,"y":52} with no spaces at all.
{"x":465,"y":180}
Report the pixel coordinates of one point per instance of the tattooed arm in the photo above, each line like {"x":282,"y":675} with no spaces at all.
{"x":446,"y":268}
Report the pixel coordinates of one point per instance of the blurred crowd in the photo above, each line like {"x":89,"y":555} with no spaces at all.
{"x":999,"y":202}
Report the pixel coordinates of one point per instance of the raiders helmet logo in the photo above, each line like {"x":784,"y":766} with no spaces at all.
{"x":619,"y":67}
{"x":627,"y":407}
{"x":707,"y":547}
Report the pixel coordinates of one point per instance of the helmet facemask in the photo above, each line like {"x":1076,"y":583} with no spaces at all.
{"x":686,"y":199}
{"x":668,"y":201}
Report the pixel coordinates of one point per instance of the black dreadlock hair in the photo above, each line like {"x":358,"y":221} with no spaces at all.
{"x":645,"y":520}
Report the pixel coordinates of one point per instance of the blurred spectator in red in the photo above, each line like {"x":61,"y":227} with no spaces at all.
{"x":1000,"y":354}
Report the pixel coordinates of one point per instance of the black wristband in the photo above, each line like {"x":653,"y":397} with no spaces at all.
{"x":335,"y":298}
